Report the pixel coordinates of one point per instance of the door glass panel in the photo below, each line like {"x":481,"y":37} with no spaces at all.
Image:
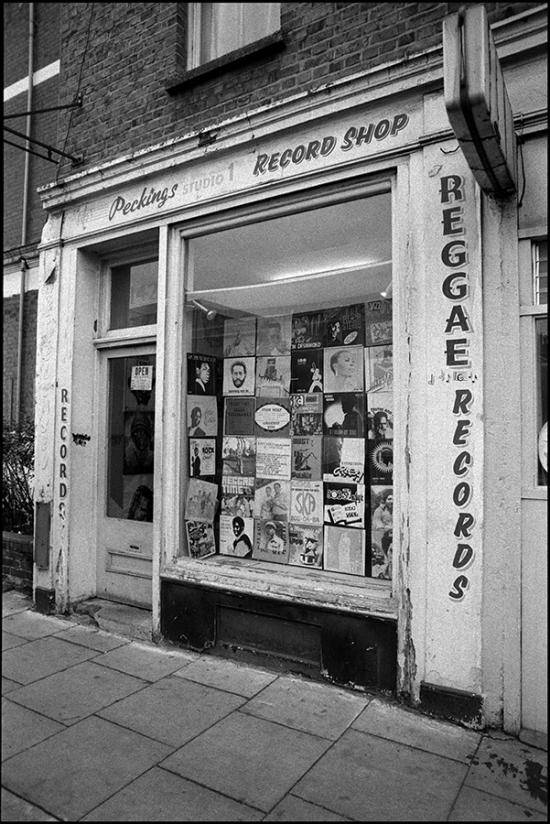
{"x":134,"y":294}
{"x":130,"y":465}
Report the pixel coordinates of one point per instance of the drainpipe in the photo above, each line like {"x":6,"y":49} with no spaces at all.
{"x":24,"y":218}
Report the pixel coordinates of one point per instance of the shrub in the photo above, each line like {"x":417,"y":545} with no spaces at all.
{"x":18,"y":478}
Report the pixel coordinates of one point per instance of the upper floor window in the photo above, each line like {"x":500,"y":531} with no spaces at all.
{"x":215,"y":29}
{"x":134,"y":294}
{"x":540,"y":272}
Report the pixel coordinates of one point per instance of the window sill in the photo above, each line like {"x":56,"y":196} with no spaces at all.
{"x":260,"y":48}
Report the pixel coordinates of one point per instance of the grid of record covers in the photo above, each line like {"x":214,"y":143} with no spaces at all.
{"x":290,"y":439}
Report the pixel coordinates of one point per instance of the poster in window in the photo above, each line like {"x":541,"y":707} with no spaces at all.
{"x":137,"y":498}
{"x":200,"y":539}
{"x":306,"y":414}
{"x":236,"y":536}
{"x":306,"y":502}
{"x":379,"y":369}
{"x":272,"y":499}
{"x":239,"y":416}
{"x":344,"y":550}
{"x":344,"y":414}
{"x":237,"y":496}
{"x":380,"y":416}
{"x":380,"y":462}
{"x":271,"y":541}
{"x":381,"y":501}
{"x":308,"y":330}
{"x":239,"y":337}
{"x":201,"y":501}
{"x":273,"y":458}
{"x":345,"y":326}
{"x":343,"y":369}
{"x":239,"y":455}
{"x":381,"y":553}
{"x":306,"y":371}
{"x":306,"y":457}
{"x":202,"y":457}
{"x":344,"y":459}
{"x":201,"y":375}
{"x":378,"y":322}
{"x":305,"y":546}
{"x":344,"y":504}
{"x":239,"y":376}
{"x":272,"y":417}
{"x":274,"y":335}
{"x":273,"y":376}
{"x":202,"y":416}
{"x":138,"y":442}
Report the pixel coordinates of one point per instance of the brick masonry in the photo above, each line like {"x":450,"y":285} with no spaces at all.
{"x":17,"y":561}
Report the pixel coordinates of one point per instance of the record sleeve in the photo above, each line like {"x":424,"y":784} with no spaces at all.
{"x":273,"y":335}
{"x":200,"y":539}
{"x":306,"y":415}
{"x":344,"y":550}
{"x":306,"y":502}
{"x":306,"y":546}
{"x":343,"y":369}
{"x":272,"y":499}
{"x":381,"y":553}
{"x":239,"y":455}
{"x":306,"y":371}
{"x":202,"y":416}
{"x":306,"y":457}
{"x":239,"y":376}
{"x":237,"y":496}
{"x":202,"y":457}
{"x":345,"y":326}
{"x":236,"y":536}
{"x":308,"y":330}
{"x":344,"y":459}
{"x":381,"y":502}
{"x":379,"y":368}
{"x":273,"y":376}
{"x":344,"y":505}
{"x":380,"y":416}
{"x":239,"y":416}
{"x":271,"y":541}
{"x":201,"y":501}
{"x":380,"y":462}
{"x":201,"y":375}
{"x":344,"y":414}
{"x":239,"y":337}
{"x":273,"y":458}
{"x":378,"y":322}
{"x":272,"y":417}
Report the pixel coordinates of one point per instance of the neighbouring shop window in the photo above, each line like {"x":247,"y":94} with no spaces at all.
{"x":541,"y":332}
{"x":289,"y":395}
{"x":219,"y":28}
{"x":134,"y":294}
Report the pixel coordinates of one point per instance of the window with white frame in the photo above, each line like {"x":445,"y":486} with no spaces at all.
{"x":216,"y":29}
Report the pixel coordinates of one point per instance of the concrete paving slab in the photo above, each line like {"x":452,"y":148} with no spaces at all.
{"x":9,"y":640}
{"x":303,"y":705}
{"x":227,"y":675}
{"x":292,"y":808}
{"x":474,"y":805}
{"x":42,"y":657}
{"x":74,"y":694}
{"x":407,"y":727}
{"x":81,"y":767}
{"x":372,"y":779}
{"x":159,"y":795}
{"x":247,"y":758}
{"x":93,"y":638}
{"x":22,"y":728}
{"x":121,"y":619}
{"x":33,"y":625}
{"x":147,"y":662}
{"x":13,"y":602}
{"x":8,"y":685}
{"x":511,"y":769}
{"x":172,"y":710}
{"x":16,"y":809}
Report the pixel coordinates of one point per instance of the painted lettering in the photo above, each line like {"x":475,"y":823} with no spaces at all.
{"x":462,"y":494}
{"x":454,"y":349}
{"x":463,"y":402}
{"x":461,"y":433}
{"x":452,"y":185}
{"x":464,"y":556}
{"x":458,"y":291}
{"x":459,"y":319}
{"x":464,"y":524}
{"x":451,"y":217}
{"x":459,"y":585}
{"x":451,"y":257}
{"x":462,"y":464}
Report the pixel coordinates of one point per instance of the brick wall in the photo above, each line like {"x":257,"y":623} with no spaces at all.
{"x":17,"y":562}
{"x":10,"y":332}
{"x":125,"y":53}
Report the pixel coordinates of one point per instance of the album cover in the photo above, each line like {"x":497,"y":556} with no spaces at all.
{"x":239,"y":416}
{"x":139,"y":442}
{"x":237,"y":496}
{"x":344,"y":550}
{"x":273,"y":376}
{"x":381,"y":502}
{"x":380,"y":462}
{"x":202,"y":457}
{"x":306,"y":546}
{"x":201,"y":375}
{"x":271,"y":500}
{"x":345,"y":326}
{"x":344,"y":414}
{"x":381,"y":554}
{"x":378,"y":322}
{"x":343,"y":369}
{"x":200,"y":539}
{"x":202,"y":416}
{"x":306,"y":371}
{"x":236,"y":536}
{"x":239,"y":376}
{"x":271,"y":541}
{"x":308,"y":330}
{"x":378,"y":369}
{"x":306,"y":502}
{"x":273,"y":335}
{"x":201,"y":501}
{"x":306,"y":457}
{"x":273,"y":458}
{"x":239,"y":455}
{"x":306,"y":414}
{"x":239,"y":337}
{"x":380,"y":416}
{"x":272,"y":417}
{"x":344,"y":459}
{"x":344,"y":504}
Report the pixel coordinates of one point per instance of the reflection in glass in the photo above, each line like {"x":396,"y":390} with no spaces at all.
{"x":134,"y":295}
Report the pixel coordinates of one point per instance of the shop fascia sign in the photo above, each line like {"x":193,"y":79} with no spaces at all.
{"x":477,"y":102}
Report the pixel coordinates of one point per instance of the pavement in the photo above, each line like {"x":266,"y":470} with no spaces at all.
{"x":99,"y":726}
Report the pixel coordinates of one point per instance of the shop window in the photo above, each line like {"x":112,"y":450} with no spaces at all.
{"x":540,"y":272}
{"x":541,"y":333}
{"x":288,"y":454}
{"x":133,"y":289}
{"x":216,"y":29}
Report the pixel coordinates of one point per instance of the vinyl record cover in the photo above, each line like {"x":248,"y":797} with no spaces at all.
{"x":345,"y":326}
{"x":202,"y":457}
{"x":344,"y":505}
{"x":344,"y":550}
{"x":306,"y":371}
{"x":236,"y":536}
{"x":344,"y":369}
{"x":201,"y":501}
{"x":200,"y":539}
{"x":239,"y":456}
{"x":239,"y":376}
{"x":306,"y":546}
{"x":273,"y":376}
{"x":272,"y":499}
{"x":344,"y":459}
{"x":306,"y":457}
{"x":237,"y":496}
{"x":273,"y":335}
{"x":344,"y":414}
{"x":272,"y":417}
{"x":271,"y":541}
{"x":308,"y":330}
{"x":381,"y":502}
{"x":306,"y":502}
{"x":306,"y":414}
{"x":380,"y":416}
{"x":273,"y":458}
{"x":239,"y":337}
{"x":378,"y":369}
{"x":380,"y":462}
{"x":378,"y":322}
{"x":381,"y":554}
{"x":138,"y":442}
{"x":239,"y":416}
{"x":202,"y":416}
{"x":201,"y":375}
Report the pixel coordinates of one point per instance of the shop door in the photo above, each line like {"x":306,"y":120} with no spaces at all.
{"x":124,"y":559}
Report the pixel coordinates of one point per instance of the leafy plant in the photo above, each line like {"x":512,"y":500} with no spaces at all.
{"x":18,"y":478}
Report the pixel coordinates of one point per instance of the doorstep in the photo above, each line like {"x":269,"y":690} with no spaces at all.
{"x":118,"y":619}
